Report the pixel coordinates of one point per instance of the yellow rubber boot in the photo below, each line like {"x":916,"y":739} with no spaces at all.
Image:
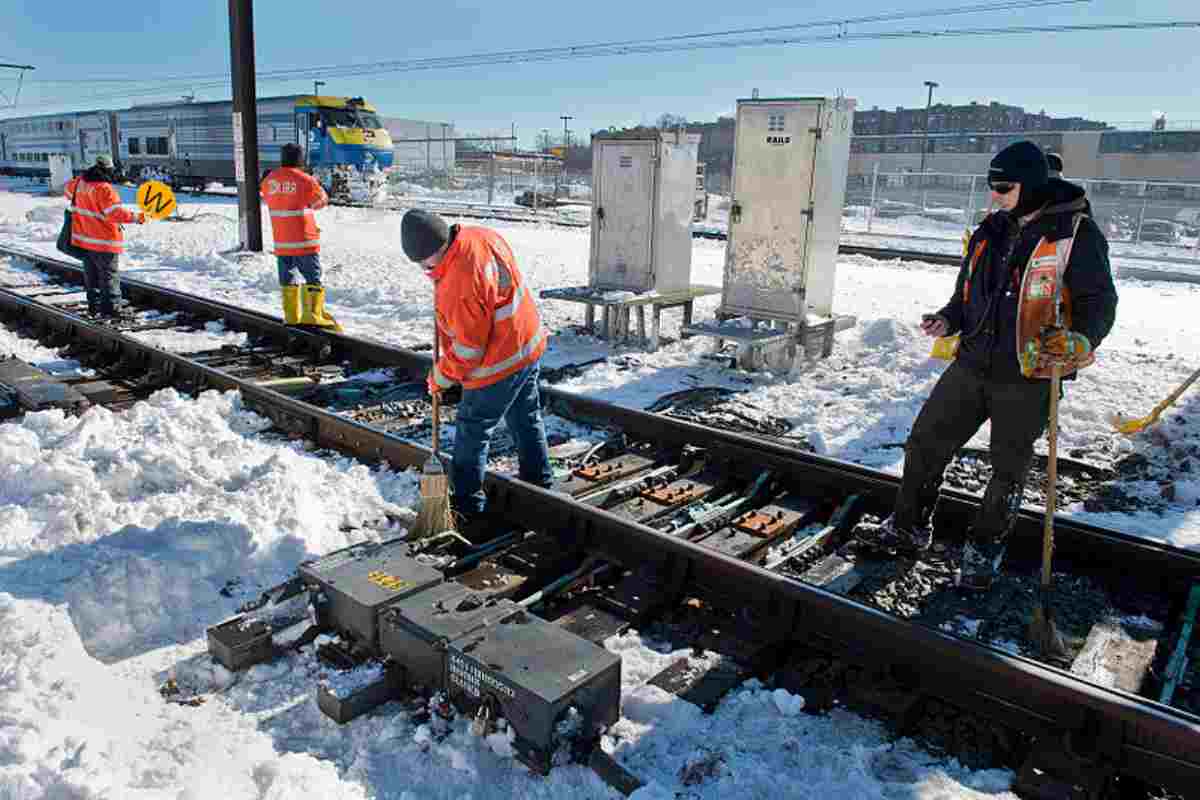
{"x":291,"y":304}
{"x":314,"y":309}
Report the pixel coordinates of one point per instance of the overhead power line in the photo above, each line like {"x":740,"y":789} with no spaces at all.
{"x":978,"y":8}
{"x":637,"y":48}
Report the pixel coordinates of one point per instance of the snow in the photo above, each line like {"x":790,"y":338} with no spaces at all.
{"x":123,"y":535}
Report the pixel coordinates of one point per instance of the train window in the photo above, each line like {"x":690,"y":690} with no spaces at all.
{"x":135,"y":146}
{"x":339,"y":119}
{"x":156,"y":145}
{"x":369,"y":120}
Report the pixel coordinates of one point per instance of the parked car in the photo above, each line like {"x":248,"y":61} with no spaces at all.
{"x":1160,"y":230}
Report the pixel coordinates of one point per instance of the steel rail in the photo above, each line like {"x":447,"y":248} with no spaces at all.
{"x":1137,"y":736}
{"x":1152,"y":562}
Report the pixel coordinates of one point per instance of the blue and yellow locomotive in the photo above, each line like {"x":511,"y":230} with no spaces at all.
{"x":191,"y":143}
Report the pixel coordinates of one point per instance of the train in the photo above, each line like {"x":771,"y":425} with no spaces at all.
{"x":190,"y":144}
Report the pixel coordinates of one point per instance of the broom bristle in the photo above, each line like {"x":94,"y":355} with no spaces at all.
{"x":435,"y":515}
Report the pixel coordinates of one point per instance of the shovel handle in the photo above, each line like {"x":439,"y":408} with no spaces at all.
{"x":1051,"y":475}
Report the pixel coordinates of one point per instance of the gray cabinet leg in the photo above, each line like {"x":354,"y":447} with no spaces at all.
{"x":589,"y":319}
{"x":655,"y":327}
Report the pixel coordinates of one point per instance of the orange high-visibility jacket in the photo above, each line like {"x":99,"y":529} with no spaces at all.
{"x":96,"y":216}
{"x":292,"y":194}
{"x":486,"y":315}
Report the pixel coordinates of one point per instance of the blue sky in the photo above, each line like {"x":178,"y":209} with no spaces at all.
{"x":1112,"y":76}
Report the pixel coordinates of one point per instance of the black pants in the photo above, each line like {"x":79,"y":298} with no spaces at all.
{"x":102,"y":282}
{"x":960,"y":403}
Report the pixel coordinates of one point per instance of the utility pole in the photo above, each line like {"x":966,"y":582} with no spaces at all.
{"x":245,"y":122}
{"x":317,"y":86}
{"x":545,"y":139}
{"x":21,"y":68}
{"x":925,"y":140}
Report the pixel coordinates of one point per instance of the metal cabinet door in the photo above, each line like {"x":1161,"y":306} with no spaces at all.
{"x":623,"y":211}
{"x":771,"y":210}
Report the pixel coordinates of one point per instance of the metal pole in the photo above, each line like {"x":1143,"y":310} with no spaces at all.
{"x":874,"y":188}
{"x":925,"y":140}
{"x":491,"y":178}
{"x":245,"y":122}
{"x":445,"y":169}
{"x":971,"y":205}
{"x":1141,"y":219}
{"x":428,"y":152}
{"x":317,"y":87}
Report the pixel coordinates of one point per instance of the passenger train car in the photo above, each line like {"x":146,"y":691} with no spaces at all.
{"x":191,"y":144}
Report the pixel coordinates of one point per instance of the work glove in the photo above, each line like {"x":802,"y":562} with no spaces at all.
{"x":1068,"y":349}
{"x":141,"y":218}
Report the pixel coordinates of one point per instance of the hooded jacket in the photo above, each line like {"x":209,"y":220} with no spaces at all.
{"x":985,"y":314}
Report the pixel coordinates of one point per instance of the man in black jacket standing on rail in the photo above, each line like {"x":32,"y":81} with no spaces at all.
{"x":1039,"y":246}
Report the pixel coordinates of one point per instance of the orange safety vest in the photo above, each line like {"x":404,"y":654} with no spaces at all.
{"x":292,"y":194}
{"x":96,"y":216}
{"x":1045,"y":302}
{"x":487,"y":319}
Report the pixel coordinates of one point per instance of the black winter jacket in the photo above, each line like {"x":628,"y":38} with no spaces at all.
{"x":988,"y":318}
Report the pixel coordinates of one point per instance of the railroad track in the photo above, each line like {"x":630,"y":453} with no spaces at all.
{"x":734,"y":542}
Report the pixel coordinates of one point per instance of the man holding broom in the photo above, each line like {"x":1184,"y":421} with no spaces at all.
{"x":1038,"y":247}
{"x":490,"y":340}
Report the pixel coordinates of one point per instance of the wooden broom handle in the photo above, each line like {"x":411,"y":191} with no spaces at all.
{"x":437,"y":396}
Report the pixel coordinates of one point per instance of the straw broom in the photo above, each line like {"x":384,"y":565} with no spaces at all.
{"x":435,"y":515}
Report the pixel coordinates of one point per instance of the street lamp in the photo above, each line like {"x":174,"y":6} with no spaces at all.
{"x":317,"y":86}
{"x":566,"y":135}
{"x":925,"y":141}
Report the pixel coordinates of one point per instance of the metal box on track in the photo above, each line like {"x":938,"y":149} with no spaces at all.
{"x":531,"y":673}
{"x":643,"y":201}
{"x":414,"y":631}
{"x":360,"y":580}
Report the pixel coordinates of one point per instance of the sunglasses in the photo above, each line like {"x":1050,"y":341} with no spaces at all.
{"x":1000,"y":187}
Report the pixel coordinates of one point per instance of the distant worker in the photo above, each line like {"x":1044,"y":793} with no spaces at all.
{"x":491,"y":341}
{"x":1008,"y":342}
{"x":97,"y":217}
{"x":1055,"y":163}
{"x":293,"y":195}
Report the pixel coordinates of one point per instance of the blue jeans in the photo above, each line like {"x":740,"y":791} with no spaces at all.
{"x":309,"y":266}
{"x":515,"y":399}
{"x":102,"y":283}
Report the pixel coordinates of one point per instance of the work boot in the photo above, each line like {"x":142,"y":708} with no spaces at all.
{"x":981,"y":560}
{"x":892,"y":537}
{"x":987,"y":540}
{"x":291,"y":304}
{"x":313,"y":311}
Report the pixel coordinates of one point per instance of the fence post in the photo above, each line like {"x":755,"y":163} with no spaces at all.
{"x":535,"y":184}
{"x":971,"y":205}
{"x":874,"y":185}
{"x":491,"y":178}
{"x":1141,"y":219}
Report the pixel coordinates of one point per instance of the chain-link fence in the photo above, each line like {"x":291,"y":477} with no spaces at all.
{"x":532,"y":180}
{"x":1147,"y":218}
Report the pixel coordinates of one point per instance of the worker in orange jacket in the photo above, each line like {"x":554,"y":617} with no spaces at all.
{"x":97,"y":217}
{"x":292,"y":195}
{"x":491,"y":341}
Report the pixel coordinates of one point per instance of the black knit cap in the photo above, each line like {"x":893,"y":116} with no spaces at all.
{"x":422,"y":233}
{"x":1021,"y":162}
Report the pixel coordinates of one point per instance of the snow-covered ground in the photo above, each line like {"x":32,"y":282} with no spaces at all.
{"x":118,"y":531}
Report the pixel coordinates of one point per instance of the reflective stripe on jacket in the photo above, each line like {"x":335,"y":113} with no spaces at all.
{"x":96,"y":216}
{"x":291,"y":195}
{"x":486,"y":315}
{"x":1041,"y":287}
